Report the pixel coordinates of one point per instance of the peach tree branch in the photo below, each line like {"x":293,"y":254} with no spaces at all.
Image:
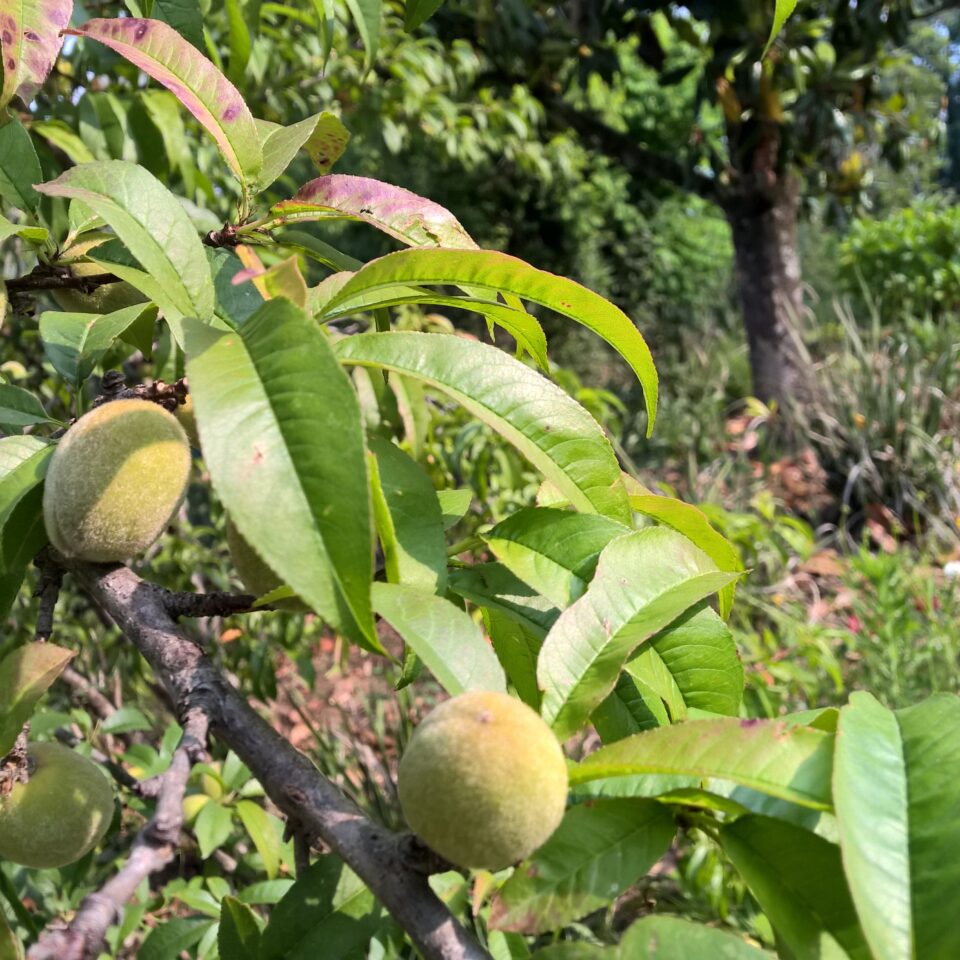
{"x":154,"y":847}
{"x":393,"y":866}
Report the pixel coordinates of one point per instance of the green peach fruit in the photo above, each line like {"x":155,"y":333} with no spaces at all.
{"x":483,"y":781}
{"x":115,"y":480}
{"x":254,"y":573}
{"x":60,"y":814}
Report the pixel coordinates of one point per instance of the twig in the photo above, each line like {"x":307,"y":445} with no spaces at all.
{"x":51,"y":579}
{"x":152,"y":850}
{"x":100,"y":703}
{"x":13,"y":767}
{"x":57,"y":278}
{"x":293,"y":783}
{"x":169,"y":395}
{"x":208,"y":604}
{"x":301,"y":852}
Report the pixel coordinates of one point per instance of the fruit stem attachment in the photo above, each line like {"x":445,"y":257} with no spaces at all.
{"x":195,"y":684}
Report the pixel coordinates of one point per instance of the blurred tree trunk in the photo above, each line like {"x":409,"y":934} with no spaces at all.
{"x":764,"y":228}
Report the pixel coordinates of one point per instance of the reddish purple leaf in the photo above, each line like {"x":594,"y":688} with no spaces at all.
{"x":30,"y":32}
{"x":161,"y":52}
{"x":412,"y":219}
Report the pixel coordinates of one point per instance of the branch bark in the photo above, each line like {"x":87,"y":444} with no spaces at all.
{"x":52,"y":278}
{"x":154,"y":847}
{"x":381,"y":858}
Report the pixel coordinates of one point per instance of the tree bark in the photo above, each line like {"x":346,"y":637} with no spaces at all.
{"x":764,"y":229}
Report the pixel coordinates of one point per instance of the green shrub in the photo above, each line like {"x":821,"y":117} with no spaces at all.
{"x":907,"y":262}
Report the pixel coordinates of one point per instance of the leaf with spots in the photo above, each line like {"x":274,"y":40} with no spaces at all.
{"x":283,"y":441}
{"x":30,"y":34}
{"x":409,"y":218}
{"x":159,"y":51}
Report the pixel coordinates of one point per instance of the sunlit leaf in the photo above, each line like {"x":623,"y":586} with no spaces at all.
{"x":449,"y":643}
{"x":644,"y":581}
{"x":25,"y":675}
{"x":280,"y":425}
{"x":794,"y":763}
{"x":555,"y":434}
{"x":897,"y":793}
{"x":158,"y":50}
{"x":499,"y":273}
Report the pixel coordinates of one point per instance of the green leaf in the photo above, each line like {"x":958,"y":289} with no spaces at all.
{"x":493,"y":587}
{"x":417,"y":11}
{"x":897,"y":793}
{"x":19,"y":407}
{"x":794,"y":763}
{"x":399,"y":213}
{"x":408,"y":518}
{"x":327,"y":142}
{"x":163,"y":54}
{"x":500,"y":273}
{"x":598,"y":851}
{"x":523,"y":327}
{"x":630,"y":708}
{"x":328,"y":912}
{"x":10,"y":946}
{"x":241,"y":43}
{"x":281,"y":144}
{"x":170,"y":939}
{"x":516,"y":648}
{"x":29,"y":233}
{"x":19,"y":166}
{"x":280,"y":424}
{"x":239,"y":935}
{"x":444,"y":637}
{"x":782,"y":12}
{"x":366,"y":15}
{"x":644,"y":581}
{"x":797,"y":878}
{"x":259,"y":825}
{"x":22,"y":537}
{"x":125,"y":720}
{"x":554,"y":551}
{"x":695,"y":526}
{"x":454,"y":504}
{"x":185,"y":16}
{"x":213,"y":827}
{"x":25,"y":675}
{"x":553,"y":432}
{"x":59,"y":135}
{"x":76,"y":342}
{"x":31,"y":43}
{"x":672,"y":938}
{"x":23,"y":464}
{"x":693,"y":663}
{"x":233,"y":302}
{"x":153,"y":226}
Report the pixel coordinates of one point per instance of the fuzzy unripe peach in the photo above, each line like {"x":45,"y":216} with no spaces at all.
{"x":60,"y":814}
{"x":115,"y":480}
{"x":483,"y":781}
